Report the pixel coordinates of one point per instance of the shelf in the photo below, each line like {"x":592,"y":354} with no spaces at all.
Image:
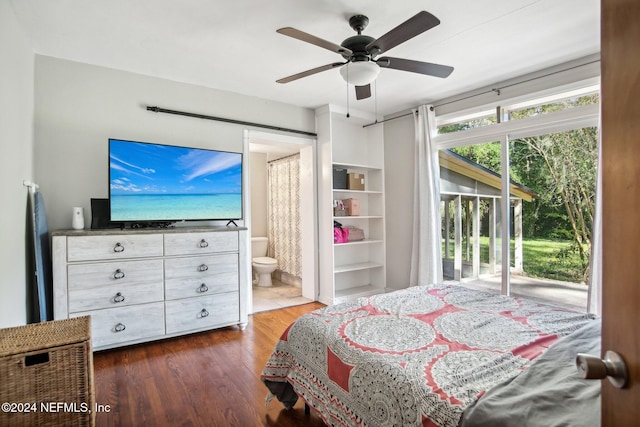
{"x":355,"y":267}
{"x":359,"y":266}
{"x":355,"y":166}
{"x":356,"y":292}
{"x":344,"y":190}
{"x":338,"y":218}
{"x":359,"y":242}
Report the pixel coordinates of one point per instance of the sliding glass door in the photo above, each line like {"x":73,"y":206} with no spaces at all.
{"x":556,"y":226}
{"x":535,"y":214}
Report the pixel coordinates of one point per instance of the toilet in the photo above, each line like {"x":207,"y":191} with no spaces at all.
{"x":262,"y":265}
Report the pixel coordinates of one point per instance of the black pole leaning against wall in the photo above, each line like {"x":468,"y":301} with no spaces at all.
{"x":222,"y":119}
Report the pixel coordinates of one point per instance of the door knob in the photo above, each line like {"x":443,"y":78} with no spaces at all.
{"x":611,"y":367}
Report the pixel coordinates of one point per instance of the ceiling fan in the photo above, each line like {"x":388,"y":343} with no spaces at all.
{"x":362,"y":65}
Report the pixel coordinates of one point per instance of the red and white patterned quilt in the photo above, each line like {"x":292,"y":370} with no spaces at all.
{"x":415,"y":357}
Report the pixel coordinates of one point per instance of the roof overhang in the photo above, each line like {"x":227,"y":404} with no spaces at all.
{"x":477,"y":172}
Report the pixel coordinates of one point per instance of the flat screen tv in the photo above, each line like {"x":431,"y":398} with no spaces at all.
{"x":164,"y":183}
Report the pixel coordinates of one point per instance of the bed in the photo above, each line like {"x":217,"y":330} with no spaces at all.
{"x":438,"y":355}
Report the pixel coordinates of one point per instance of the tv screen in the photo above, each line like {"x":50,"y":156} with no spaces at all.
{"x":164,"y":183}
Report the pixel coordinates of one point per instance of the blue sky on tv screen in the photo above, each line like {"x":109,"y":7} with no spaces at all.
{"x":138,"y":168}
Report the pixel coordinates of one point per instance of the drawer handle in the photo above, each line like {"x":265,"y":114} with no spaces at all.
{"x":203,"y":313}
{"x":203,"y":267}
{"x":119,"y":327}
{"x":204,"y":243}
{"x":118,"y":248}
{"x":118,"y":297}
{"x":203,"y":288}
{"x":119,"y":274}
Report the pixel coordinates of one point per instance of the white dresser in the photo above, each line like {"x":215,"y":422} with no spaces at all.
{"x":143,"y":285}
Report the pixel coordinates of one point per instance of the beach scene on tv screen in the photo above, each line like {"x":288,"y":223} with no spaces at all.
{"x":151,"y":182}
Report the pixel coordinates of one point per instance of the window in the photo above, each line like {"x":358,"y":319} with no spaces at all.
{"x":468,"y":122}
{"x":550,"y":146}
{"x":561,"y":169}
{"x":541,"y":107}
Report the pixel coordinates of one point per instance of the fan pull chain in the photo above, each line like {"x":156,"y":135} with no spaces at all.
{"x":347,"y":84}
{"x":375,"y":98}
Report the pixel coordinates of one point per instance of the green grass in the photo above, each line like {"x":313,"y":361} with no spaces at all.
{"x":542,"y":258}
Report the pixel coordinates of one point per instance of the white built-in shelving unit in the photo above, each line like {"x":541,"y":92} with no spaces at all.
{"x":353,"y":269}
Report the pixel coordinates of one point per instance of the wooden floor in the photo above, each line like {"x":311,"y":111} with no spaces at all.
{"x":205,"y":379}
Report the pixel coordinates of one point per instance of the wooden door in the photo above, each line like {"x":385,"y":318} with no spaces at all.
{"x":620,"y":103}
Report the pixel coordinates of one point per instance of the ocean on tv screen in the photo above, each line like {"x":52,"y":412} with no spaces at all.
{"x":175,"y":207}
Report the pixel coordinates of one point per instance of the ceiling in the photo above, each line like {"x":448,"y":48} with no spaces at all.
{"x":233,"y":45}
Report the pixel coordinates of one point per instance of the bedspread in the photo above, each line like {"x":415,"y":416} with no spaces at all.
{"x":549,"y":393}
{"x":415,"y":357}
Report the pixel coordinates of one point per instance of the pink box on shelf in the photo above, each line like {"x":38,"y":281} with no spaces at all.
{"x":353,"y":206}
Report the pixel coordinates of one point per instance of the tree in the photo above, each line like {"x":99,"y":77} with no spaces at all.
{"x":569,"y":161}
{"x":561,"y":168}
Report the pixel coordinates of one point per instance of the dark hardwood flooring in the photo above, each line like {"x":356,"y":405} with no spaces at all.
{"x":204,"y":379}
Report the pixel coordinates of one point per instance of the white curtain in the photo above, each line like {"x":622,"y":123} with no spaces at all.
{"x":426,"y":257}
{"x":594,"y":300}
{"x":284,"y":214}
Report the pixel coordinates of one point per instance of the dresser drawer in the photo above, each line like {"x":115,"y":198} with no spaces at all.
{"x":199,"y":287}
{"x":122,"y":273}
{"x":188,"y":277}
{"x":113,"y":296}
{"x":200,"y":243}
{"x":201,"y":313}
{"x":200,"y":266}
{"x":117,"y":246}
{"x":124,"y":324}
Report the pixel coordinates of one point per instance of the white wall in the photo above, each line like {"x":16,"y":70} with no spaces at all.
{"x":259,"y":195}
{"x":79,"y":106}
{"x":399,"y":153}
{"x":16,"y":163}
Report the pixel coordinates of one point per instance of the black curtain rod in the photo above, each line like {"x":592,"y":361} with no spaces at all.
{"x":377,"y":122}
{"x":222,"y":119}
{"x":285,"y":157}
{"x":498,"y":89}
{"x":494,"y":90}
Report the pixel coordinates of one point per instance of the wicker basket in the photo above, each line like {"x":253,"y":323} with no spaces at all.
{"x":46,"y":374}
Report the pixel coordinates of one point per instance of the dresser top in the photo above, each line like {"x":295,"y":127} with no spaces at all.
{"x":167,"y":230}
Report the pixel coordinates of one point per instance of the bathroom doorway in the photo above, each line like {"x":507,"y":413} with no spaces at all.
{"x":273,"y":151}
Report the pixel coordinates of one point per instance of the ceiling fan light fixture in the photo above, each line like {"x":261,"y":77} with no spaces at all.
{"x":360,"y":73}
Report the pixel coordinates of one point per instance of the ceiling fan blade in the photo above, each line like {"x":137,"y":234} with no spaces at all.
{"x":310,"y":72}
{"x":305,"y":37}
{"x":418,"y":24}
{"x":363,"y":92}
{"x":427,"y":68}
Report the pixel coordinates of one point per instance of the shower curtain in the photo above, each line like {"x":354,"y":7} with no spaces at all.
{"x":284,"y":215}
